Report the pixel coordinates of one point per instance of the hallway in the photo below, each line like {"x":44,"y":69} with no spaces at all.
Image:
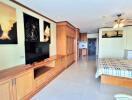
{"x":78,"y":83}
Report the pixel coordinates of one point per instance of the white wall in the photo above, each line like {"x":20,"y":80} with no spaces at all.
{"x":93,"y":35}
{"x":128,"y":31}
{"x":14,"y":54}
{"x":111,"y":47}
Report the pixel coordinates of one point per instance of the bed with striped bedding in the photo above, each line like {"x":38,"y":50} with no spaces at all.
{"x":114,"y":67}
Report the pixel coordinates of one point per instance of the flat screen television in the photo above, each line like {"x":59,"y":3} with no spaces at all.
{"x":36,"y":51}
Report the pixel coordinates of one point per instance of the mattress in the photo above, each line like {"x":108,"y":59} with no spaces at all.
{"x":114,"y":67}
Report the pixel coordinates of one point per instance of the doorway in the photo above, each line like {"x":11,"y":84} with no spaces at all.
{"x":92,"y":48}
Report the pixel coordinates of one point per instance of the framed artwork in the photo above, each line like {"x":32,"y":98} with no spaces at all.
{"x":47,"y":32}
{"x":31,"y":26}
{"x":112,"y":34}
{"x":8,"y":24}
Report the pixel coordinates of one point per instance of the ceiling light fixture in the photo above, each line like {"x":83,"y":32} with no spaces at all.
{"x":118,"y":25}
{"x":119,"y":22}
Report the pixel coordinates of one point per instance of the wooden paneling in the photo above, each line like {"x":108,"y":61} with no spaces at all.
{"x":70,"y":45}
{"x":124,"y":82}
{"x":83,"y":37}
{"x":67,"y":37}
{"x":77,"y":44}
{"x":6,"y":90}
{"x":70,"y":59}
{"x":61,"y":40}
{"x":24,"y":84}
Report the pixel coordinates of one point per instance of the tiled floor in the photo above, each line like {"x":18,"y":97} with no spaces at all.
{"x":78,"y":83}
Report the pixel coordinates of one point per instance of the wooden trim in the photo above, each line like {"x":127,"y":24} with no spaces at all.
{"x":67,"y":23}
{"x":70,"y":64}
{"x":77,"y":29}
{"x":16,"y":2}
{"x":118,"y":81}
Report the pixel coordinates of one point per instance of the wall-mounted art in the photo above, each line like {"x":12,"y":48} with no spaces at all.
{"x":112,"y":34}
{"x":31,"y":26}
{"x":8,"y":24}
{"x":47,"y":32}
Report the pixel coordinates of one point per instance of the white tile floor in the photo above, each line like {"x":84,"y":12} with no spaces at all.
{"x":78,"y":83}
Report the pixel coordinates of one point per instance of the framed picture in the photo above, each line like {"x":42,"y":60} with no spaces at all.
{"x":31,"y":26}
{"x":112,"y":34}
{"x":8,"y":24}
{"x":47,"y":32}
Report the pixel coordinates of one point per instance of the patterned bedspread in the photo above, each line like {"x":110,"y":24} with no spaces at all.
{"x":114,"y":67}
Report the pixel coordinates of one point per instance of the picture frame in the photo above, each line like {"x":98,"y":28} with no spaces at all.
{"x":47,"y":32}
{"x":31,"y":27}
{"x":112,"y":34}
{"x":8,"y":24}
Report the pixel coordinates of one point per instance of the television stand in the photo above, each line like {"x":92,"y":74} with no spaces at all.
{"x":41,"y":70}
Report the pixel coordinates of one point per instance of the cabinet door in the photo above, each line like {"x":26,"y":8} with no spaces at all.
{"x":24,"y":84}
{"x":6,"y":90}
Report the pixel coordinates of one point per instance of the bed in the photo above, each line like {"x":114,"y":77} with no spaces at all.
{"x":115,"y":71}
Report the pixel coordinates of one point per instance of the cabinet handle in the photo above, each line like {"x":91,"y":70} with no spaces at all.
{"x":14,"y":82}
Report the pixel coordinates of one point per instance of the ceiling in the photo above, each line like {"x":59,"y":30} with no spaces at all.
{"x":88,"y":15}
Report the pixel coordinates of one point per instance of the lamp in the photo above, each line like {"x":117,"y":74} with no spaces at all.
{"x":118,"y":25}
{"x":119,"y":22}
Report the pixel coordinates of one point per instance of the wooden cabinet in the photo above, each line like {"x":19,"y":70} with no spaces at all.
{"x":67,"y":37}
{"x":70,"y":45}
{"x":46,"y":74}
{"x":44,"y":78}
{"x":17,"y":87}
{"x":24,"y":84}
{"x":83,"y":37}
{"x":83,"y":51}
{"x":6,"y":90}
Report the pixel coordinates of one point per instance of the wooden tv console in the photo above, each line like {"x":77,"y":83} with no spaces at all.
{"x":22,"y":82}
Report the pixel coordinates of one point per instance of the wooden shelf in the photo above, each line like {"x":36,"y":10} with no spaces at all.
{"x":41,"y":70}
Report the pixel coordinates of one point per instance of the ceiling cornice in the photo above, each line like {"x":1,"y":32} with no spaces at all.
{"x":14,"y":1}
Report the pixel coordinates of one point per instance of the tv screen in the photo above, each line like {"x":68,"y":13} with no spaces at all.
{"x":83,"y":45}
{"x":36,"y":51}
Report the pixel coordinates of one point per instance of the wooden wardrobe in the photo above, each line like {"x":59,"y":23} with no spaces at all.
{"x":67,"y":41}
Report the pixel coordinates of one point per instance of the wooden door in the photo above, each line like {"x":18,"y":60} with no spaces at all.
{"x":6,"y":90}
{"x":24,"y":84}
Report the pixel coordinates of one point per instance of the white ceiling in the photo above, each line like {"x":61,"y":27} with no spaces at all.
{"x":84,"y":14}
